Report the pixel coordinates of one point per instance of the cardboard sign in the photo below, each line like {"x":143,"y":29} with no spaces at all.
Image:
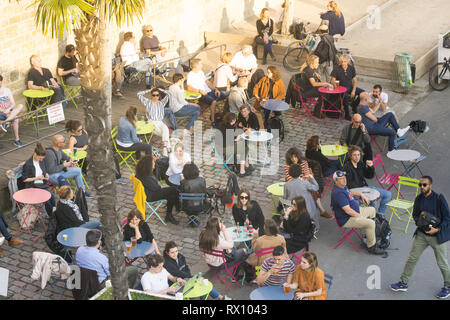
{"x":55,"y":114}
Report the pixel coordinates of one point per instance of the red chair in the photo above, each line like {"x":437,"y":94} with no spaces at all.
{"x":372,"y":139}
{"x":262,"y":252}
{"x":299,"y":258}
{"x":311,"y":102}
{"x":225,"y":271}
{"x":346,"y":234}
{"x":328,"y":181}
{"x":386,"y":179}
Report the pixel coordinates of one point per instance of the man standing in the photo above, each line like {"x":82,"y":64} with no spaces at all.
{"x":346,"y":75}
{"x":348,"y":213}
{"x":433,"y":236}
{"x":67,"y":67}
{"x":8,"y":112}
{"x":357,"y":135}
{"x":378,"y":126}
{"x":61,"y":166}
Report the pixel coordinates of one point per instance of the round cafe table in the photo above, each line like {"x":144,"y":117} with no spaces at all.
{"x":275,"y":105}
{"x":277,"y":192}
{"x":26,"y":199}
{"x":371,"y":194}
{"x":333,"y":150}
{"x":405,"y":155}
{"x":192,"y":96}
{"x":271,"y":293}
{"x":38,"y":99}
{"x":76,"y":237}
{"x":259,"y":136}
{"x":142,"y":249}
{"x":200,"y":289}
{"x":333,"y":105}
{"x":241,"y":236}
{"x":145,"y":128}
{"x":80,"y":157}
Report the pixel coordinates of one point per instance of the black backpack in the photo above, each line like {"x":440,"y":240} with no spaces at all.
{"x":418,"y":126}
{"x":276,"y":123}
{"x":322,"y":51}
{"x":161,"y":166}
{"x":382,"y":232}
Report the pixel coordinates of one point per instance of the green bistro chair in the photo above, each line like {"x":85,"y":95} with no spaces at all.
{"x":154,"y":206}
{"x":400,"y":207}
{"x":71,"y":91}
{"x":124,"y":155}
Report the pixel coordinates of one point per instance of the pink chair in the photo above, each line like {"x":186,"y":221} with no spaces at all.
{"x":387,"y":179}
{"x":227,"y":270}
{"x":299,"y":258}
{"x":311,"y":102}
{"x":373,"y":139}
{"x":328,"y":181}
{"x":346,"y":234}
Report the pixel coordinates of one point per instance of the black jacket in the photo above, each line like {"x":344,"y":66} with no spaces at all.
{"x":299,"y":231}
{"x":66,"y":217}
{"x":197,"y":185}
{"x":52,"y":242}
{"x":144,"y":229}
{"x":29,"y":171}
{"x":356,"y":177}
{"x":293,"y":95}
{"x":254,"y":215}
{"x":180,"y":269}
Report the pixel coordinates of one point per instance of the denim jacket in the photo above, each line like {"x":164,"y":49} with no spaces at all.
{"x":126,"y":133}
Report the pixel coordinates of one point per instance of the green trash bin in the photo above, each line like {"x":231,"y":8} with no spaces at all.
{"x":402,"y":70}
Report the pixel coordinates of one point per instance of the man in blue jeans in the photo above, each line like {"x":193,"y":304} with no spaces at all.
{"x":379,"y":126}
{"x":59,"y":165}
{"x":4,"y":230}
{"x":357,"y":172}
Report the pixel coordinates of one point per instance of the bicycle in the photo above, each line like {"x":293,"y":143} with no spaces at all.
{"x":214,"y":195}
{"x":437,"y":73}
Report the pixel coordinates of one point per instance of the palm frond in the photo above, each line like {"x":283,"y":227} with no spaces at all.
{"x":124,"y":10}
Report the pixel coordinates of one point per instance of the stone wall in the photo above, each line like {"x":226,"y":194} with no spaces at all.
{"x":178,"y":20}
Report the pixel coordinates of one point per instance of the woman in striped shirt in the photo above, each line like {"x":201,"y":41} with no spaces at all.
{"x":156,"y":112}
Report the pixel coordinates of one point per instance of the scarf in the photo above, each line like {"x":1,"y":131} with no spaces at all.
{"x":74,"y":207}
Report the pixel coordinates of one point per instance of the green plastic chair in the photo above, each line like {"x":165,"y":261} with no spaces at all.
{"x":154,"y":206}
{"x":71,"y":91}
{"x":401,"y":207}
{"x":124,"y":155}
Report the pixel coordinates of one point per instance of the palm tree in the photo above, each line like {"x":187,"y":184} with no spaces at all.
{"x":90,"y":20}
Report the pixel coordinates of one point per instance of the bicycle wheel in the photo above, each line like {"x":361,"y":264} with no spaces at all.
{"x":435,"y":76}
{"x":295,"y":58}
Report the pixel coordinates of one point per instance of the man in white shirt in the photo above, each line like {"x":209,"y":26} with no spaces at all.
{"x":197,"y":82}
{"x":155,"y":280}
{"x":378,"y":102}
{"x":179,"y":105}
{"x":244,"y":61}
{"x":8,"y":111}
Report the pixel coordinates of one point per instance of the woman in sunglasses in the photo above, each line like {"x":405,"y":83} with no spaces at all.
{"x":78,"y":138}
{"x":247,"y":211}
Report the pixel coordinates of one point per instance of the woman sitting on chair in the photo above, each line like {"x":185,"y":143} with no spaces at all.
{"x":308,"y":282}
{"x":193,"y":183}
{"x":153,"y":191}
{"x":314,"y":152}
{"x":248,"y":211}
{"x":177,"y":160}
{"x":138,"y":228}
{"x":78,"y":139}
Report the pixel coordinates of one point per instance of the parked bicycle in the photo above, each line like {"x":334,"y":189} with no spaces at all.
{"x":214,"y":195}
{"x":439,"y":75}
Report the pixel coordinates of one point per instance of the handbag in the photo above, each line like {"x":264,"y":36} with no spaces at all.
{"x":425,"y":220}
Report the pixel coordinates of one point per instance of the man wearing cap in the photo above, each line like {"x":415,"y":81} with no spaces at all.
{"x":348,"y":213}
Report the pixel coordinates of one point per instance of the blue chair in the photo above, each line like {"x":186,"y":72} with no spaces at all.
{"x":192,"y":197}
{"x":220,"y":158}
{"x":399,"y":141}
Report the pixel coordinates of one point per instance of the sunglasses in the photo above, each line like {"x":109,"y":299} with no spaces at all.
{"x":79,"y":130}
{"x":423,"y":184}
{"x":244,"y":197}
{"x":149,"y":30}
{"x":340,"y":174}
{"x":155,"y":95}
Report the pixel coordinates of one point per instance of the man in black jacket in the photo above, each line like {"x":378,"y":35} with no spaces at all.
{"x":356,"y":134}
{"x":433,"y":236}
{"x":357,"y":173}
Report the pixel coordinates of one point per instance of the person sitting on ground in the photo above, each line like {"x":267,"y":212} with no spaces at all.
{"x":78,"y":139}
{"x":175,"y":263}
{"x":378,"y":126}
{"x":12,"y":241}
{"x":300,"y":186}
{"x":264,"y":27}
{"x":156,"y":112}
{"x":192,"y":183}
{"x":197,"y":82}
{"x":90,"y":257}
{"x":276,"y":270}
{"x":68,"y":214}
{"x":297,"y":222}
{"x":67,"y":67}
{"x":127,"y":139}
{"x":349,"y":214}
{"x":310,"y":81}
{"x":247,"y":211}
{"x":378,"y":102}
{"x":178,"y":104}
{"x":138,"y":228}
{"x":357,"y":173}
{"x":270,"y":238}
{"x":314,"y":152}
{"x":224,"y":77}
{"x":244,"y":62}
{"x":238,"y":95}
{"x":35,"y":175}
{"x":356,"y":134}
{"x":270,"y":86}
{"x":132,"y":61}
{"x":153,"y":190}
{"x":177,"y":160}
{"x":345,"y":73}
{"x":9,"y":111}
{"x":309,"y":280}
{"x":60,"y":166}
{"x":40,"y":78}
{"x":336,"y":22}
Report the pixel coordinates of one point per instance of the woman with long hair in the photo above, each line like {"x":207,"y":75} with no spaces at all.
{"x":153,"y":190}
{"x":297,"y":222}
{"x":314,"y":152}
{"x":78,"y":139}
{"x":138,"y":228}
{"x":336,"y":22}
{"x":248,"y":211}
{"x":264,"y":26}
{"x":309,"y":280}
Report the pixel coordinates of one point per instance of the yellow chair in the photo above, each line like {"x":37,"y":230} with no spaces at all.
{"x":71,"y":91}
{"x":401,"y":207}
{"x":125,"y":155}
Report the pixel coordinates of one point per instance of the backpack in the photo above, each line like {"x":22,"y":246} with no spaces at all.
{"x":275,"y":123}
{"x":161,"y":166}
{"x":322,"y":51}
{"x":418,"y":126}
{"x":382,"y":232}
{"x":298,"y":31}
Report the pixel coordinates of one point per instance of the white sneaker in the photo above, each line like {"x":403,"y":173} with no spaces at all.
{"x":227,"y":298}
{"x":2,"y":239}
{"x":401,"y":131}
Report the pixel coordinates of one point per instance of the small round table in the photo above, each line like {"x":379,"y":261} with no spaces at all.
{"x":275,"y":105}
{"x":80,"y":157}
{"x":42,"y":98}
{"x":340,"y":91}
{"x":259,"y":136}
{"x":241,"y":236}
{"x":333,"y":150}
{"x":405,"y":155}
{"x":142,"y":249}
{"x":145,"y":128}
{"x":31,"y":197}
{"x":371,"y":194}
{"x":199,"y":290}
{"x":76,"y":237}
{"x":192,"y":96}
{"x":271,"y":293}
{"x":277,"y":192}
{"x":175,"y":179}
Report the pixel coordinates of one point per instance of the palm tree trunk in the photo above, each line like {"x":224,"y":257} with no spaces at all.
{"x":95,"y":69}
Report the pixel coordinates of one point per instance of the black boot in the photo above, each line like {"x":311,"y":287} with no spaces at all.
{"x":170,"y":218}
